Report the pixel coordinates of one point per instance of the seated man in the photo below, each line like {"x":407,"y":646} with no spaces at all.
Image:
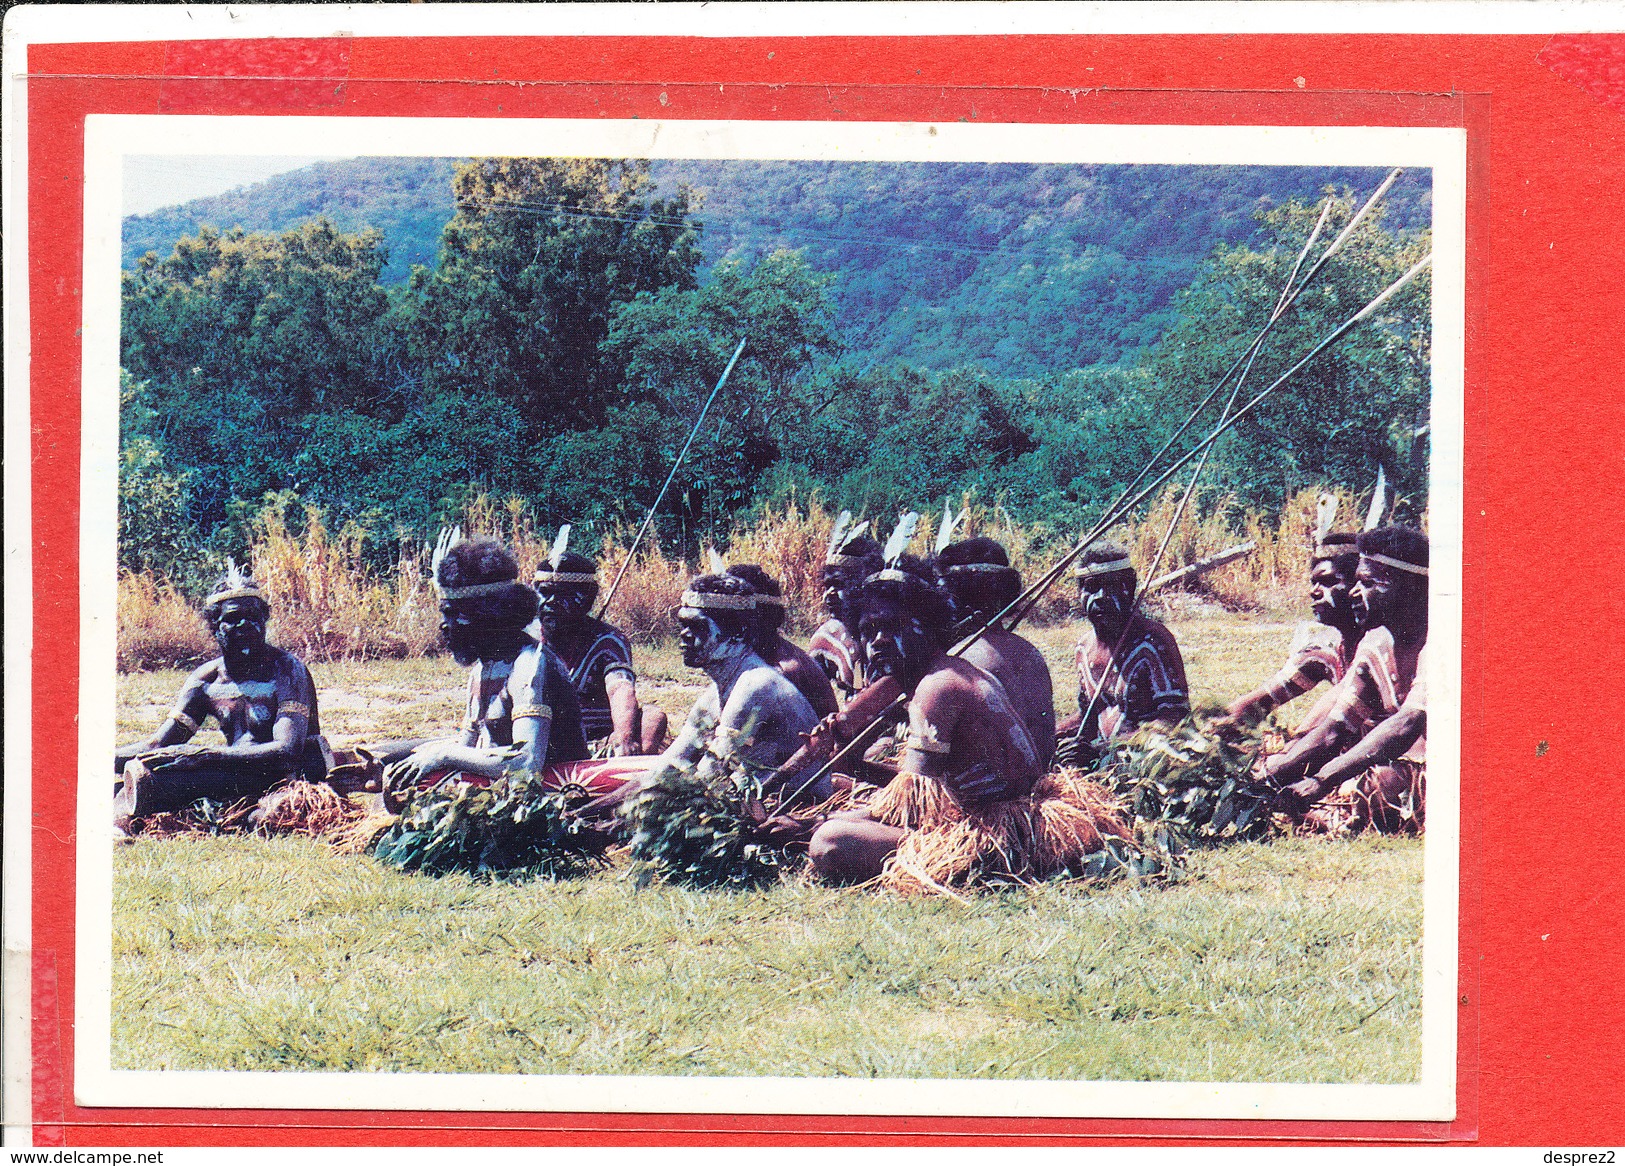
{"x":264,"y":701}
{"x":1130,"y":671}
{"x":768,"y":642}
{"x":1321,"y":650}
{"x":1390,"y":594}
{"x":964,"y":736}
{"x":750,"y":711}
{"x":596,"y":656}
{"x":852,"y":557}
{"x":978,"y":577}
{"x":523,"y":715}
{"x":1390,"y":763}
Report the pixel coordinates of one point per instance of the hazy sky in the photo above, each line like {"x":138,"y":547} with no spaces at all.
{"x":152,"y":182}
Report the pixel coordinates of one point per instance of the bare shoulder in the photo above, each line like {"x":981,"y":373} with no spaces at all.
{"x":764,"y":681}
{"x":205,"y":675}
{"x":289,"y":665}
{"x":949,"y":683}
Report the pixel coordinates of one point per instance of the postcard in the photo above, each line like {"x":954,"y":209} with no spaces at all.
{"x":399,"y":419}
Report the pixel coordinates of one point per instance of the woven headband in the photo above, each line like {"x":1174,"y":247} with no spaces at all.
{"x":1397,"y":564}
{"x":545,"y":576}
{"x":474,"y":589}
{"x":1109,"y":567}
{"x":839,"y":560}
{"x":975,"y":567}
{"x":248,"y":592}
{"x":893,"y":575}
{"x":1333,"y":550}
{"x":770,"y":601}
{"x":705,"y":600}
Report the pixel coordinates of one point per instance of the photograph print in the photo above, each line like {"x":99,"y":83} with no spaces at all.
{"x":772,"y":617}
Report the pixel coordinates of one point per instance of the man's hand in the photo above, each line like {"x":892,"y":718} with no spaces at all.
{"x":175,"y":758}
{"x":781,"y":829}
{"x":1076,"y":753}
{"x":407,"y":774}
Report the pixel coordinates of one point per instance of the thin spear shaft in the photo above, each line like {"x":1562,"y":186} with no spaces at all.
{"x":1124,"y":505}
{"x":1029,"y":598}
{"x":1286,"y":297}
{"x":644,"y":529}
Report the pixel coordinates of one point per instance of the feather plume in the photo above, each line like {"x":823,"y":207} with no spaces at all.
{"x":902,"y":534}
{"x":1379,"y":500}
{"x":718,"y":564}
{"x":837,"y":536}
{"x":560,"y":544}
{"x":950,"y":524}
{"x":450,"y":536}
{"x":856,"y":532}
{"x":1325,"y":516}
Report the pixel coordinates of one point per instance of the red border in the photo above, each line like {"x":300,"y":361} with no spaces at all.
{"x":1539,"y":1006}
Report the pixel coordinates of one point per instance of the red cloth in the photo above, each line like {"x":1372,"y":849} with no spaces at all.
{"x":597,"y":777}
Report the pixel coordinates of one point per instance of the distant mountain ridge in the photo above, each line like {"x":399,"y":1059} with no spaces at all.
{"x":1021,"y":269}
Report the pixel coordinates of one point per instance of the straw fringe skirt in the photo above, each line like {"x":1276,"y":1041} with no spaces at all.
{"x":1026,"y":839}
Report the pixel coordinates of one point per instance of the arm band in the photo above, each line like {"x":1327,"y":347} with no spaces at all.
{"x":539,"y":712}
{"x":183,"y":719}
{"x":292,"y":708}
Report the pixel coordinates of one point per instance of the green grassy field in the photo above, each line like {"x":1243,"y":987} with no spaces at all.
{"x":1292,"y":961}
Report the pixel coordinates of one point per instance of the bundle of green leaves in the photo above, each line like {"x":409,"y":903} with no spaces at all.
{"x":1191,"y":783}
{"x":512,"y":829}
{"x":698,"y":825}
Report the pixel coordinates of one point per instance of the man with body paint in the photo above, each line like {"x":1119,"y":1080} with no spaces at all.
{"x":1130,"y":670}
{"x":264,"y":701}
{"x":1391,"y":594}
{"x":965,"y":738}
{"x":1321,"y":650}
{"x":750,"y":712}
{"x":596,"y":656}
{"x":977,"y":575}
{"x":851,"y":558}
{"x":522,"y":712}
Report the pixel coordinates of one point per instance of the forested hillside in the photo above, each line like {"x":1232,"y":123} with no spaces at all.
{"x":1029,"y":333}
{"x":1019,"y":269}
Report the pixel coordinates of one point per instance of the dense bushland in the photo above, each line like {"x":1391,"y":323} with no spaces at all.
{"x":559,"y":352}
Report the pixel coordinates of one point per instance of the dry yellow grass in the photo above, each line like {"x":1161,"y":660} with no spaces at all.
{"x":329,"y":605}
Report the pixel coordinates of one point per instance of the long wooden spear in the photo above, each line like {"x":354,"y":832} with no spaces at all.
{"x":1025,"y":602}
{"x":1124,"y":505}
{"x":1286,"y":297}
{"x":683,"y":453}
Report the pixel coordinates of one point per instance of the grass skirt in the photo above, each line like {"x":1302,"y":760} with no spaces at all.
{"x":1029,"y":839}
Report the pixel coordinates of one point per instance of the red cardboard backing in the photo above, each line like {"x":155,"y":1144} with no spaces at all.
{"x":1542,"y":811}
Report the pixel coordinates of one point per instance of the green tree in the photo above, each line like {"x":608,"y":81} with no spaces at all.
{"x":675,"y":344}
{"x":533,"y":264}
{"x":239,"y":340}
{"x":1361,"y":403}
{"x":154,"y":531}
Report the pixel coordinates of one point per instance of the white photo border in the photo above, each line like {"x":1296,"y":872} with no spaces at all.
{"x":109,"y":139}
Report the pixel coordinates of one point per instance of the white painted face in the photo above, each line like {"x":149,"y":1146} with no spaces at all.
{"x":702,"y":641}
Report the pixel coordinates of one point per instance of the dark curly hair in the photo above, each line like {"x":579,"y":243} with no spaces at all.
{"x":742,"y":622}
{"x":1106,"y":553}
{"x":863,"y":548}
{"x":769,"y":616}
{"x":1398,"y":542}
{"x":978,"y":575}
{"x":479,"y":561}
{"x":571,"y":563}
